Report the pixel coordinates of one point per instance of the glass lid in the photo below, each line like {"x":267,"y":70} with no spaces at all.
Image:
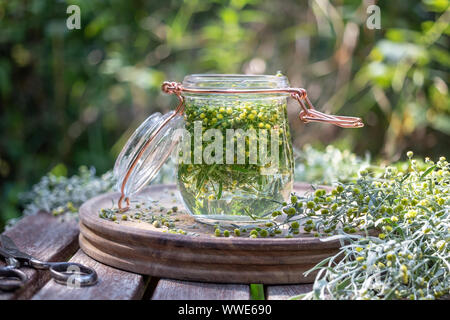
{"x":146,"y":151}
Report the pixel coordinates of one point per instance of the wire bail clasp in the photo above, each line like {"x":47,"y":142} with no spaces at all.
{"x":307,"y":114}
{"x":310,"y":114}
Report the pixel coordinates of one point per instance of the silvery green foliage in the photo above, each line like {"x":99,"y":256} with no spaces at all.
{"x":329,"y":166}
{"x":62,"y":196}
{"x":59,"y":194}
{"x":402,"y":248}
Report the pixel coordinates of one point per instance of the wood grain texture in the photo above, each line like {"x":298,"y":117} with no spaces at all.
{"x":47,"y":238}
{"x":141,"y":248}
{"x":287,"y":291}
{"x":113,"y":284}
{"x":185,"y":290}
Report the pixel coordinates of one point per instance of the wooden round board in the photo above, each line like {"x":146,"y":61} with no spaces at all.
{"x":136,"y":245}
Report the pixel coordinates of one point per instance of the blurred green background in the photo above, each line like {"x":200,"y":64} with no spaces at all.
{"x":72,"y":97}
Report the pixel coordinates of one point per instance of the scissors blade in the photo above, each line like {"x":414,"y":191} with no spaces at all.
{"x":8,"y":249}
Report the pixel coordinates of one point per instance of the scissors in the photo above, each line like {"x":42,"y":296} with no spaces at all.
{"x":67,"y":273}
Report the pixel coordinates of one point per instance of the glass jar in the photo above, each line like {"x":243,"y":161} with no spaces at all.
{"x":232,"y":142}
{"x":250,"y":176}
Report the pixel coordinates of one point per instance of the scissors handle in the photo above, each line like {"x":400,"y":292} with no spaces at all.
{"x":73,"y":274}
{"x":11,"y":279}
{"x":68,"y":273}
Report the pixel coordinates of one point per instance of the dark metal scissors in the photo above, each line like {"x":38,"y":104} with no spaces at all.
{"x":67,"y":273}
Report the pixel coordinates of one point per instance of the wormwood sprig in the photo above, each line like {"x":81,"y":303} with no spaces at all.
{"x":401,"y":250}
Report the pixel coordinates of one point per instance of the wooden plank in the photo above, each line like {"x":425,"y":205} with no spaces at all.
{"x":285,"y":292}
{"x":46,"y":238}
{"x":168,"y":289}
{"x":113,"y":284}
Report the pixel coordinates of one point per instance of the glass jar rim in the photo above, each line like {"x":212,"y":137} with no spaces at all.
{"x":235,"y":81}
